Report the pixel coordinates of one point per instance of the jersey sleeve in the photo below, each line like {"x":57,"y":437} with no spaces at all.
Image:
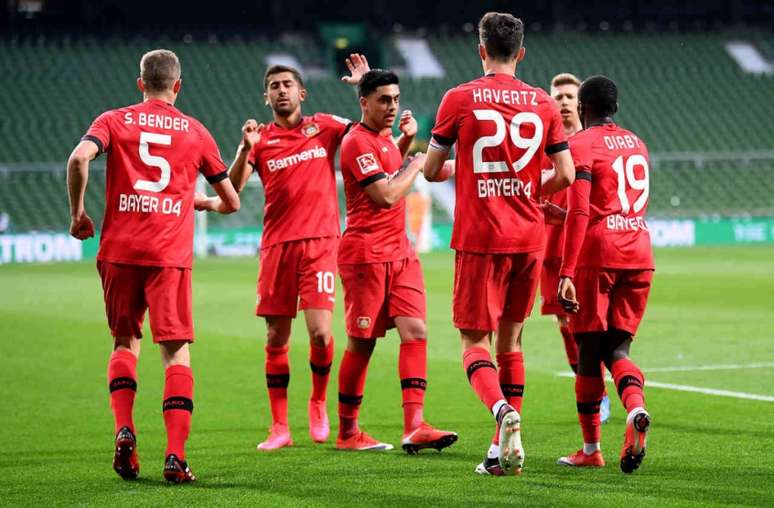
{"x":578,"y":204}
{"x":582,"y":159}
{"x":445,"y":130}
{"x":361,"y":160}
{"x":339,"y":125}
{"x":211,"y":166}
{"x":556,"y":140}
{"x":99,"y":132}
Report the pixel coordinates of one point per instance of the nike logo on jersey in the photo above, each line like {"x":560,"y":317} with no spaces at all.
{"x":272,"y":141}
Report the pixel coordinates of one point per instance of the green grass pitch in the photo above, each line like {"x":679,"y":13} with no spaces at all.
{"x":708,"y":307}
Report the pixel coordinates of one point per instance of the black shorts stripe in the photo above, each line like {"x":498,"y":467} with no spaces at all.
{"x":321,"y":370}
{"x":512,"y":390}
{"x":352,"y":400}
{"x":588,"y":408}
{"x":217,"y":178}
{"x":442,"y":140}
{"x":583,"y":175}
{"x":479,"y":364}
{"x":277,"y":380}
{"x":96,"y":141}
{"x":123,"y":383}
{"x":413,"y":382}
{"x":557,"y":147}
{"x":627,"y":381}
{"x":183,"y":403}
{"x":365,"y":182}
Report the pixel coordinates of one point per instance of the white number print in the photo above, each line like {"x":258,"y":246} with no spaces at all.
{"x":325,"y":282}
{"x":155,"y":161}
{"x":626,"y":176}
{"x":531,"y":145}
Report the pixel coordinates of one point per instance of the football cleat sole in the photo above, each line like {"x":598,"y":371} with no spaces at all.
{"x":126,"y":445}
{"x":632,"y":456}
{"x":511,"y":451}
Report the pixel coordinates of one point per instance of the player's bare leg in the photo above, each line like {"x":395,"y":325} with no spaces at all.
{"x":178,"y":407}
{"x":318,"y":324}
{"x":629,"y":381}
{"x":352,"y":376}
{"x":589,"y":389}
{"x":277,"y":379}
{"x":122,"y":381}
{"x":412,"y":370}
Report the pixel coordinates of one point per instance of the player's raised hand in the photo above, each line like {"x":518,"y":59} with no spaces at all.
{"x":202,"y":203}
{"x":251,"y":132}
{"x":357,"y":65}
{"x":408,"y":124}
{"x":567,"y":296}
{"x":554,"y":214}
{"x":82,"y":227}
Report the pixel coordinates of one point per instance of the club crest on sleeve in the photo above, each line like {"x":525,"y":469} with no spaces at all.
{"x":310,"y":130}
{"x":367,"y":163}
{"x":363,"y":322}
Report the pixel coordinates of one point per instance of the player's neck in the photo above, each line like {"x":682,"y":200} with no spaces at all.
{"x":594,"y":122}
{"x":370,"y":124}
{"x":495,"y":67}
{"x":290,"y":121}
{"x":572,"y":128}
{"x":169,"y":98}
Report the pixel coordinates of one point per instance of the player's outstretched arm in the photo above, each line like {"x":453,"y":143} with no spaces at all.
{"x":408,"y":131}
{"x":563,"y":175}
{"x":226,"y":202}
{"x":81,"y":225}
{"x":240,"y":170}
{"x":357,"y":65}
{"x":386,"y":193}
{"x":438,"y":167}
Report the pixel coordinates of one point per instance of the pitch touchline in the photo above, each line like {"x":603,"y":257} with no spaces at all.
{"x":727,"y":366}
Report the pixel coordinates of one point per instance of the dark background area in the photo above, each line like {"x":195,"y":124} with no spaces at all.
{"x":175,"y":18}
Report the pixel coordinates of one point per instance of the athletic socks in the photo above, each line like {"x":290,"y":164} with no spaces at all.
{"x":277,"y":380}
{"x":482,"y":376}
{"x":177,"y":407}
{"x":412,"y":369}
{"x":588,"y":397}
{"x":570,"y":347}
{"x":629,"y":381}
{"x":352,"y":377}
{"x":320,"y":361}
{"x":122,"y":382}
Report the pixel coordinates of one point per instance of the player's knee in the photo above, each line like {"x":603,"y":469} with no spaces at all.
{"x":414,"y":331}
{"x":129,"y":343}
{"x":319,"y":336}
{"x":277,"y":338}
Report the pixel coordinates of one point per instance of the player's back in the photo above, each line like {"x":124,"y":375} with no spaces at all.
{"x":617,"y":162}
{"x":502,"y":127}
{"x":154,"y":155}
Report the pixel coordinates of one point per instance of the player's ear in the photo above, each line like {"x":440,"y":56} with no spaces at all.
{"x":302,"y":94}
{"x":615,"y":108}
{"x":482,"y":51}
{"x":140,"y":85}
{"x":176,"y":86}
{"x":520,"y":54}
{"x":265,"y":99}
{"x":363,"y":102}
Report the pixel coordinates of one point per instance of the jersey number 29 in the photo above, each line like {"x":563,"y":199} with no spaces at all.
{"x":531,"y":145}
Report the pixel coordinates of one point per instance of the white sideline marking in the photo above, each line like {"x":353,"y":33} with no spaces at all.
{"x":726,"y":366}
{"x":709,"y":391}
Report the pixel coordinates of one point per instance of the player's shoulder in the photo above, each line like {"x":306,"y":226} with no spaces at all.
{"x":329,"y":120}
{"x":639,"y":142}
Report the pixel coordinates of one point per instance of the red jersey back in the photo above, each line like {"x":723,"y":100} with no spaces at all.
{"x":374,"y":234}
{"x":501,"y":127}
{"x":616,"y":160}
{"x":154,"y":154}
{"x":297,"y":169}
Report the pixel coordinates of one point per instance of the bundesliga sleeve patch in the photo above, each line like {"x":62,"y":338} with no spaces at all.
{"x":367,"y":163}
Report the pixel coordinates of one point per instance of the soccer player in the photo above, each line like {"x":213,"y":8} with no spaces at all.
{"x":501,"y":127}
{"x":154,"y":154}
{"x":380,"y":272}
{"x":607,"y":268}
{"x":564,"y":90}
{"x":294,"y":157}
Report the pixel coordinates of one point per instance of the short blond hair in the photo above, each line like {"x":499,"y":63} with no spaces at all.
{"x":159,"y":69}
{"x":565,"y":78}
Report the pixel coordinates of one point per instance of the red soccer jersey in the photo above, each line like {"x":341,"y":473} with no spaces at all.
{"x":501,"y":127}
{"x":374,"y":234}
{"x":554,"y":232}
{"x":605,"y":225}
{"x":154,"y":153}
{"x":298,"y":173}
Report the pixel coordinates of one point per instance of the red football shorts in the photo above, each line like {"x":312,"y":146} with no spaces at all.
{"x":489,"y":288}
{"x":549,"y":288}
{"x":610,"y":298}
{"x":165,"y":292}
{"x":376,"y":293}
{"x":301,"y":269}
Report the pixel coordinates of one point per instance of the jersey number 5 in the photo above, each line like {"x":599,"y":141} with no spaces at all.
{"x":625,"y":173}
{"x":155,"y":161}
{"x":531,"y":145}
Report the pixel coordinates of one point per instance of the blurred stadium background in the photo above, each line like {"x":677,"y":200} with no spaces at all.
{"x":697,"y":83}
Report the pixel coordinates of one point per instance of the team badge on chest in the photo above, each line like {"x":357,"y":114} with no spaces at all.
{"x":310,"y":130}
